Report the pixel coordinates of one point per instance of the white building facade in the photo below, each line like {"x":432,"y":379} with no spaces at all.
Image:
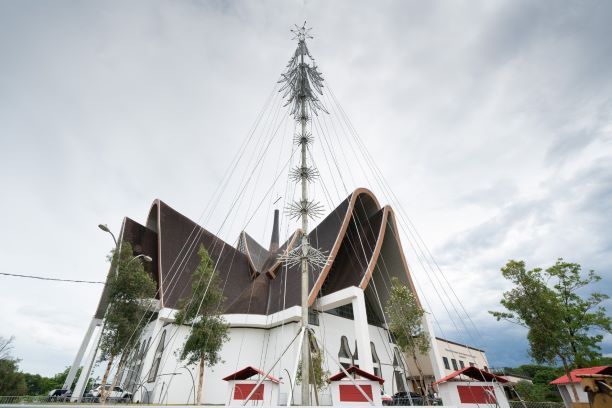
{"x":347,"y":299}
{"x":159,"y":377}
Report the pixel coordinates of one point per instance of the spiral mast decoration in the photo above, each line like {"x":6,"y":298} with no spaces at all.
{"x":301,"y":84}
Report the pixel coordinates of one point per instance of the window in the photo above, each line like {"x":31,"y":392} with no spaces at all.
{"x":133,"y":362}
{"x":375,"y":360}
{"x":472,"y":364}
{"x":398,"y":363}
{"x":345,"y":357}
{"x":399,"y":371}
{"x":461,"y":364}
{"x":399,"y":382}
{"x":371,"y":314}
{"x":345,"y":311}
{"x":157,"y":358}
{"x":486,"y":368}
{"x":446,"y":365}
{"x":135,"y":380}
{"x":454,"y":364}
{"x":313,"y":318}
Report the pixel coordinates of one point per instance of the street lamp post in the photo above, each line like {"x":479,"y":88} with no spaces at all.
{"x":144,"y":257}
{"x":105,"y":228}
{"x":192,"y":384}
{"x":95,"y":322}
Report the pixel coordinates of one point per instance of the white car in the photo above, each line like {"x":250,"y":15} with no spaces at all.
{"x":117,"y":395}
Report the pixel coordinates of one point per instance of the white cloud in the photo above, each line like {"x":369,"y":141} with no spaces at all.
{"x":490,"y":121}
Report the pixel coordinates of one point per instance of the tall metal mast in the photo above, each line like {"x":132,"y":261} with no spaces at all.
{"x":301,"y":83}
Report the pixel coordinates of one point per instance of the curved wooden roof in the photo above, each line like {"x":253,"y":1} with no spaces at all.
{"x":359,"y":236}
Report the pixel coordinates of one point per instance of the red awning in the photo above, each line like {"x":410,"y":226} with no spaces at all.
{"x":580,"y":371}
{"x":359,"y":372}
{"x":474,"y":373}
{"x":248,"y":372}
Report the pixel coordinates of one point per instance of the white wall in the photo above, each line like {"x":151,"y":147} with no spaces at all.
{"x":568,"y":396}
{"x":258,"y":347}
{"x":450,"y":396}
{"x":450,"y":351}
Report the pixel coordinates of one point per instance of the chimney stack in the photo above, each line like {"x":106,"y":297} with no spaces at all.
{"x":274,"y":240}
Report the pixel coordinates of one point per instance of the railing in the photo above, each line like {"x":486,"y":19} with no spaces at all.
{"x":412,"y":401}
{"x":26,"y":399}
{"x":535,"y":404}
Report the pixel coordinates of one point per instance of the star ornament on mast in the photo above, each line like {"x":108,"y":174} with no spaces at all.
{"x":301,"y":85}
{"x":302,"y":81}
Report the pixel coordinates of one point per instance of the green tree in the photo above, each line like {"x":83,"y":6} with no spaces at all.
{"x":129,"y":290}
{"x":202,"y":312}
{"x":12,"y":382}
{"x":562,"y":325}
{"x":539,"y":389}
{"x":530,"y":392}
{"x":531,"y":370}
{"x":318,"y":375}
{"x":39,"y":385}
{"x":604,"y":361}
{"x":405,"y":317}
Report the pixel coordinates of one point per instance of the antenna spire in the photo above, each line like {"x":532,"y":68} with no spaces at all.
{"x":302,"y":83}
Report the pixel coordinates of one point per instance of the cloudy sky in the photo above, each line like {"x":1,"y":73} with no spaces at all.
{"x":491,"y":121}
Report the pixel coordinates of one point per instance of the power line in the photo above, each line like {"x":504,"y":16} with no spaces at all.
{"x":50,"y":279}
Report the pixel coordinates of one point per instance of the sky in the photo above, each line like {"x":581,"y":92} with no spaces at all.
{"x":491,"y":121}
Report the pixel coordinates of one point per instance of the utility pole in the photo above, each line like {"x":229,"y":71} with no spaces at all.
{"x":301,"y":83}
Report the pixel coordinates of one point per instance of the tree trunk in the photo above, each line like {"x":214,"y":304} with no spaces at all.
{"x":117,"y":374}
{"x":421,"y":379}
{"x":104,"y":378}
{"x":200,"y":381}
{"x":569,"y":377}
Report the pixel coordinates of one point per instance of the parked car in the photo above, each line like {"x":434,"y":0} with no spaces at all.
{"x":117,"y":395}
{"x":404,"y":398}
{"x":59,"y":395}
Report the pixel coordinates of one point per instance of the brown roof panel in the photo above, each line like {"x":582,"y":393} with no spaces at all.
{"x":358,"y":236}
{"x":253,"y":299}
{"x":179,"y":241}
{"x":355,"y":253}
{"x":251,"y":248}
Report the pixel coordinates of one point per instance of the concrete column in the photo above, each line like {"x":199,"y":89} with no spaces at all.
{"x":89,"y":362}
{"x":434,"y":354}
{"x":79,"y":356}
{"x":362,"y":332}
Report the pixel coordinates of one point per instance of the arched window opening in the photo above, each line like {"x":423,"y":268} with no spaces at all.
{"x":399,"y":372}
{"x":345,"y":356}
{"x":157,"y":358}
{"x":130,"y":371}
{"x":376,"y":361}
{"x":134,"y":381}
